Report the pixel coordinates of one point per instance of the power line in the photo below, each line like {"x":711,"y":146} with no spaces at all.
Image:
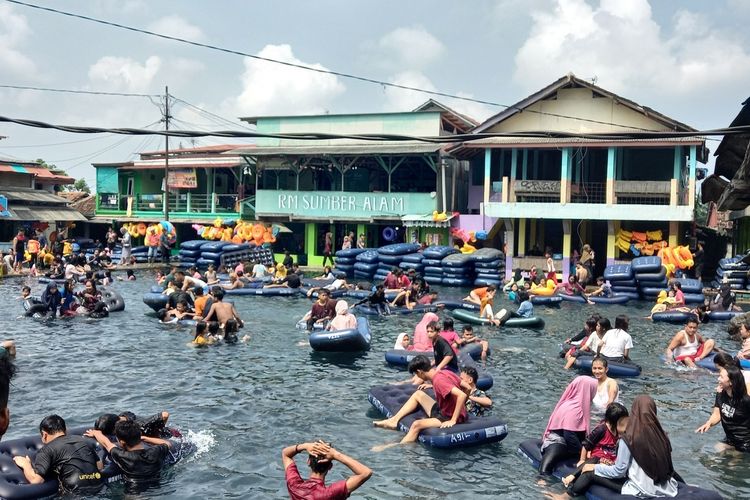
{"x":208,"y":113}
{"x":57,"y":143}
{"x":70,"y":91}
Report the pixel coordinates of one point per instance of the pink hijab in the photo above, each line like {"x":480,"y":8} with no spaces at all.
{"x":573,"y":411}
{"x":422,"y":341}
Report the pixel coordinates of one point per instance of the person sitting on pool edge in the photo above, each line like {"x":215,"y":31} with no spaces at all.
{"x":447,"y":410}
{"x":688,"y":346}
{"x":137,"y":463}
{"x":320,"y":460}
{"x":72,"y":460}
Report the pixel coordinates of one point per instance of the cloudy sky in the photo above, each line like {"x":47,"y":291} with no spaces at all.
{"x":689,"y":59}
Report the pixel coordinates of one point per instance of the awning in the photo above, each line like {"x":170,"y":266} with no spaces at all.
{"x":33,"y":195}
{"x":399,"y":148}
{"x":425,"y":221}
{"x":40,"y":172}
{"x":44,"y":214}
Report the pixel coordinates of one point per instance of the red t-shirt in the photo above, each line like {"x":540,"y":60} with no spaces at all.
{"x":404,"y":282}
{"x":442,"y":383}
{"x":313,"y":488}
{"x":391,"y":281}
{"x":451,"y":336}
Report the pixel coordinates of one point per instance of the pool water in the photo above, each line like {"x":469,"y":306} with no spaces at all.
{"x":243,"y":403}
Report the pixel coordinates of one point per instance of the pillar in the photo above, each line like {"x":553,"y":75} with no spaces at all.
{"x":310,"y":241}
{"x":361,"y":229}
{"x":613,"y":227}
{"x":521,"y":237}
{"x":691,"y":177}
{"x":513,"y":176}
{"x":565,"y":176}
{"x":673,"y":229}
{"x":509,"y":248}
{"x":487,"y":171}
{"x":525,"y":164}
{"x":610,"y":186}
{"x":566,"y":249}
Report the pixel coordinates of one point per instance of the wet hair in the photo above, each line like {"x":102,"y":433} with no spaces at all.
{"x":26,"y":289}
{"x":218,"y":293}
{"x":128,"y":415}
{"x":591,"y":323}
{"x":215,"y":289}
{"x":129,"y":432}
{"x":723,"y":360}
{"x":468,"y":328}
{"x":614,"y":412}
{"x":379,"y":286}
{"x":319,"y":465}
{"x":600,"y":359}
{"x":691,"y":319}
{"x":198,"y":290}
{"x":7,"y":372}
{"x":600,"y":278}
{"x":471,"y":372}
{"x":491,"y":288}
{"x":448,"y":324}
{"x":182,"y":303}
{"x":106,"y":423}
{"x":433,"y":325}
{"x":604,"y":323}
{"x":323,"y":291}
{"x":419,"y":363}
{"x":162,"y":314}
{"x":677,"y":285}
{"x":739,"y":389}
{"x":52,"y":424}
{"x":230,"y":331}
{"x":179,"y":273}
{"x":200,"y":329}
{"x":523,"y":295}
{"x":622,"y":322}
{"x":213,"y":327}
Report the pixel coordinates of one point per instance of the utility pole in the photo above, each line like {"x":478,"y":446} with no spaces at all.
{"x":166,"y":151}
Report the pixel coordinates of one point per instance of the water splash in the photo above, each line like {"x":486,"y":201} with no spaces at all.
{"x":203,"y":440}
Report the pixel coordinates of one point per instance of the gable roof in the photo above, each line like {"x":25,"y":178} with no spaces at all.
{"x":572,"y":81}
{"x":458,"y":120}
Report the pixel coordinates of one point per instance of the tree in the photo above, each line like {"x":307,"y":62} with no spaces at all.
{"x":81,"y":185}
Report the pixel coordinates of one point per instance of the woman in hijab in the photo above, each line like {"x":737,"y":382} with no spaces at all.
{"x":344,"y":320}
{"x":422,"y":341}
{"x":644,"y":457}
{"x":402,"y":343}
{"x":568,"y":424}
{"x":48,"y":303}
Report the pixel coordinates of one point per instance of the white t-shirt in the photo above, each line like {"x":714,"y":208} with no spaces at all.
{"x":616,"y":341}
{"x":337,"y":284}
{"x":70,"y":271}
{"x":259,"y":271}
{"x":593,"y":342}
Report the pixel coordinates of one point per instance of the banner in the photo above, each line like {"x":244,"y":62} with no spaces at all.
{"x":184,"y":178}
{"x":4,"y":212}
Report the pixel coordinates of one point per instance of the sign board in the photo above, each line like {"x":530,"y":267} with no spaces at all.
{"x":183,"y":178}
{"x":4,"y":212}
{"x":343,"y":204}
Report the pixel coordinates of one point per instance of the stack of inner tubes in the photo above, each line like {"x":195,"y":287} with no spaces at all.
{"x":433,"y":263}
{"x":733,"y":271}
{"x":489,"y":264}
{"x":345,"y":260}
{"x":651,"y":276}
{"x":458,"y":270}
{"x":391,"y":256}
{"x":366,"y":264}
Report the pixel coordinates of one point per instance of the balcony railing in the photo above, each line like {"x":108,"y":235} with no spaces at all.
{"x":178,"y":202}
{"x":646,"y":192}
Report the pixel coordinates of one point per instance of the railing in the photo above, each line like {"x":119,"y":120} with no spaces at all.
{"x":588,"y":192}
{"x":645,"y":192}
{"x":178,"y":202}
{"x":111,"y":201}
{"x":625,"y":192}
{"x":533,"y":191}
{"x":247,"y":208}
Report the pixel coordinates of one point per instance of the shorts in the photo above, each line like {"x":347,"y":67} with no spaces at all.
{"x":435,"y":412}
{"x":691,"y":356}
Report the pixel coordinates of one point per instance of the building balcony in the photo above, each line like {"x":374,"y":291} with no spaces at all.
{"x":188,"y":206}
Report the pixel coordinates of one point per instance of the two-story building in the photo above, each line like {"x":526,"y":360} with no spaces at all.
{"x":537,"y":192}
{"x":204,"y":184}
{"x":385,"y":190}
{"x":28,"y":196}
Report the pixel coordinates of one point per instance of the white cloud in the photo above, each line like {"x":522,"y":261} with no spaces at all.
{"x":176,"y":26}
{"x":408,"y":48}
{"x":14,"y":29}
{"x":623,"y":46}
{"x":406,"y":100}
{"x":124,"y":73}
{"x":270,"y":88}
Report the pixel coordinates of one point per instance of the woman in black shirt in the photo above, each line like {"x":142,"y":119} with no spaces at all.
{"x":732,"y":409}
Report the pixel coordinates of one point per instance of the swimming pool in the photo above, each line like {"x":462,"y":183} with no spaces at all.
{"x":245,"y":402}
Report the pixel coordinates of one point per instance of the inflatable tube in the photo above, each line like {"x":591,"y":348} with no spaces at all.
{"x":189,"y":253}
{"x":333,"y":294}
{"x":399,"y":248}
{"x":346,"y":260}
{"x":13,"y":485}
{"x":419,"y":309}
{"x":44,"y":280}
{"x":202,"y":263}
{"x":388,"y":399}
{"x":651,"y":264}
{"x":438,"y":252}
{"x":489,"y":275}
{"x":616,"y":369}
{"x":433,"y":280}
{"x":155,"y":301}
{"x":215,"y":256}
{"x":487,"y":255}
{"x":114,"y":300}
{"x":615,"y":299}
{"x":674,"y":317}
{"x":351,"y":252}
{"x":631,"y":283}
{"x":629,"y":289}
{"x":433,"y":262}
{"x":450,"y":281}
{"x":368,"y":256}
{"x":530,"y":450}
{"x":457,"y":304}
{"x":487,"y":281}
{"x":366,"y":267}
{"x":467,"y":356}
{"x":690,"y":285}
{"x":457,"y":272}
{"x":457,"y":260}
{"x":214,"y":246}
{"x":352,"y":340}
{"x":707,"y":362}
{"x":392,"y":260}
{"x":694,"y":298}
{"x":649,"y":291}
{"x":267,"y":292}
{"x":434,"y":270}
{"x":659,"y":277}
{"x":534,"y":322}
{"x":411,"y":265}
{"x":389,"y":234}
{"x":412,"y":257}
{"x":363,"y":275}
{"x":492,"y":264}
{"x":347,"y":268}
{"x":191,"y":244}
{"x":724,"y":315}
{"x":546,"y":300}
{"x":618,"y":272}
{"x":629,"y":295}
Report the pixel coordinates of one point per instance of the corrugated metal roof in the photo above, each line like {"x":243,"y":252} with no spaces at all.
{"x":513,"y":141}
{"x":39,"y":213}
{"x":379,"y":148}
{"x":33,"y":195}
{"x":425,"y":221}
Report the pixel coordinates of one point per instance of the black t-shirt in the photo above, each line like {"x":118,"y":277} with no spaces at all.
{"x":292,"y":281}
{"x":442,"y":348}
{"x":72,"y":459}
{"x":140,"y":465}
{"x":735,"y":419}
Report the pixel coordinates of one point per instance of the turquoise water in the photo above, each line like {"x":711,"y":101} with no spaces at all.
{"x":243,"y":403}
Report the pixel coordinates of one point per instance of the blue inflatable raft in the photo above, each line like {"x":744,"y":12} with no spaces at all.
{"x":353,"y":340}
{"x":615,"y":369}
{"x":388,"y":399}
{"x":534,"y":322}
{"x":467,"y":356}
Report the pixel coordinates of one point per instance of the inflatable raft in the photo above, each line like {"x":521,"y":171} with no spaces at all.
{"x":467,"y":356}
{"x":354,"y":340}
{"x":546,"y":300}
{"x":388,"y":399}
{"x":615,"y":299}
{"x":457,"y":304}
{"x":419,"y":309}
{"x":266,"y":292}
{"x":529,"y":449}
{"x":155,"y":300}
{"x":615,"y":369}
{"x":13,"y":485}
{"x":534,"y":322}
